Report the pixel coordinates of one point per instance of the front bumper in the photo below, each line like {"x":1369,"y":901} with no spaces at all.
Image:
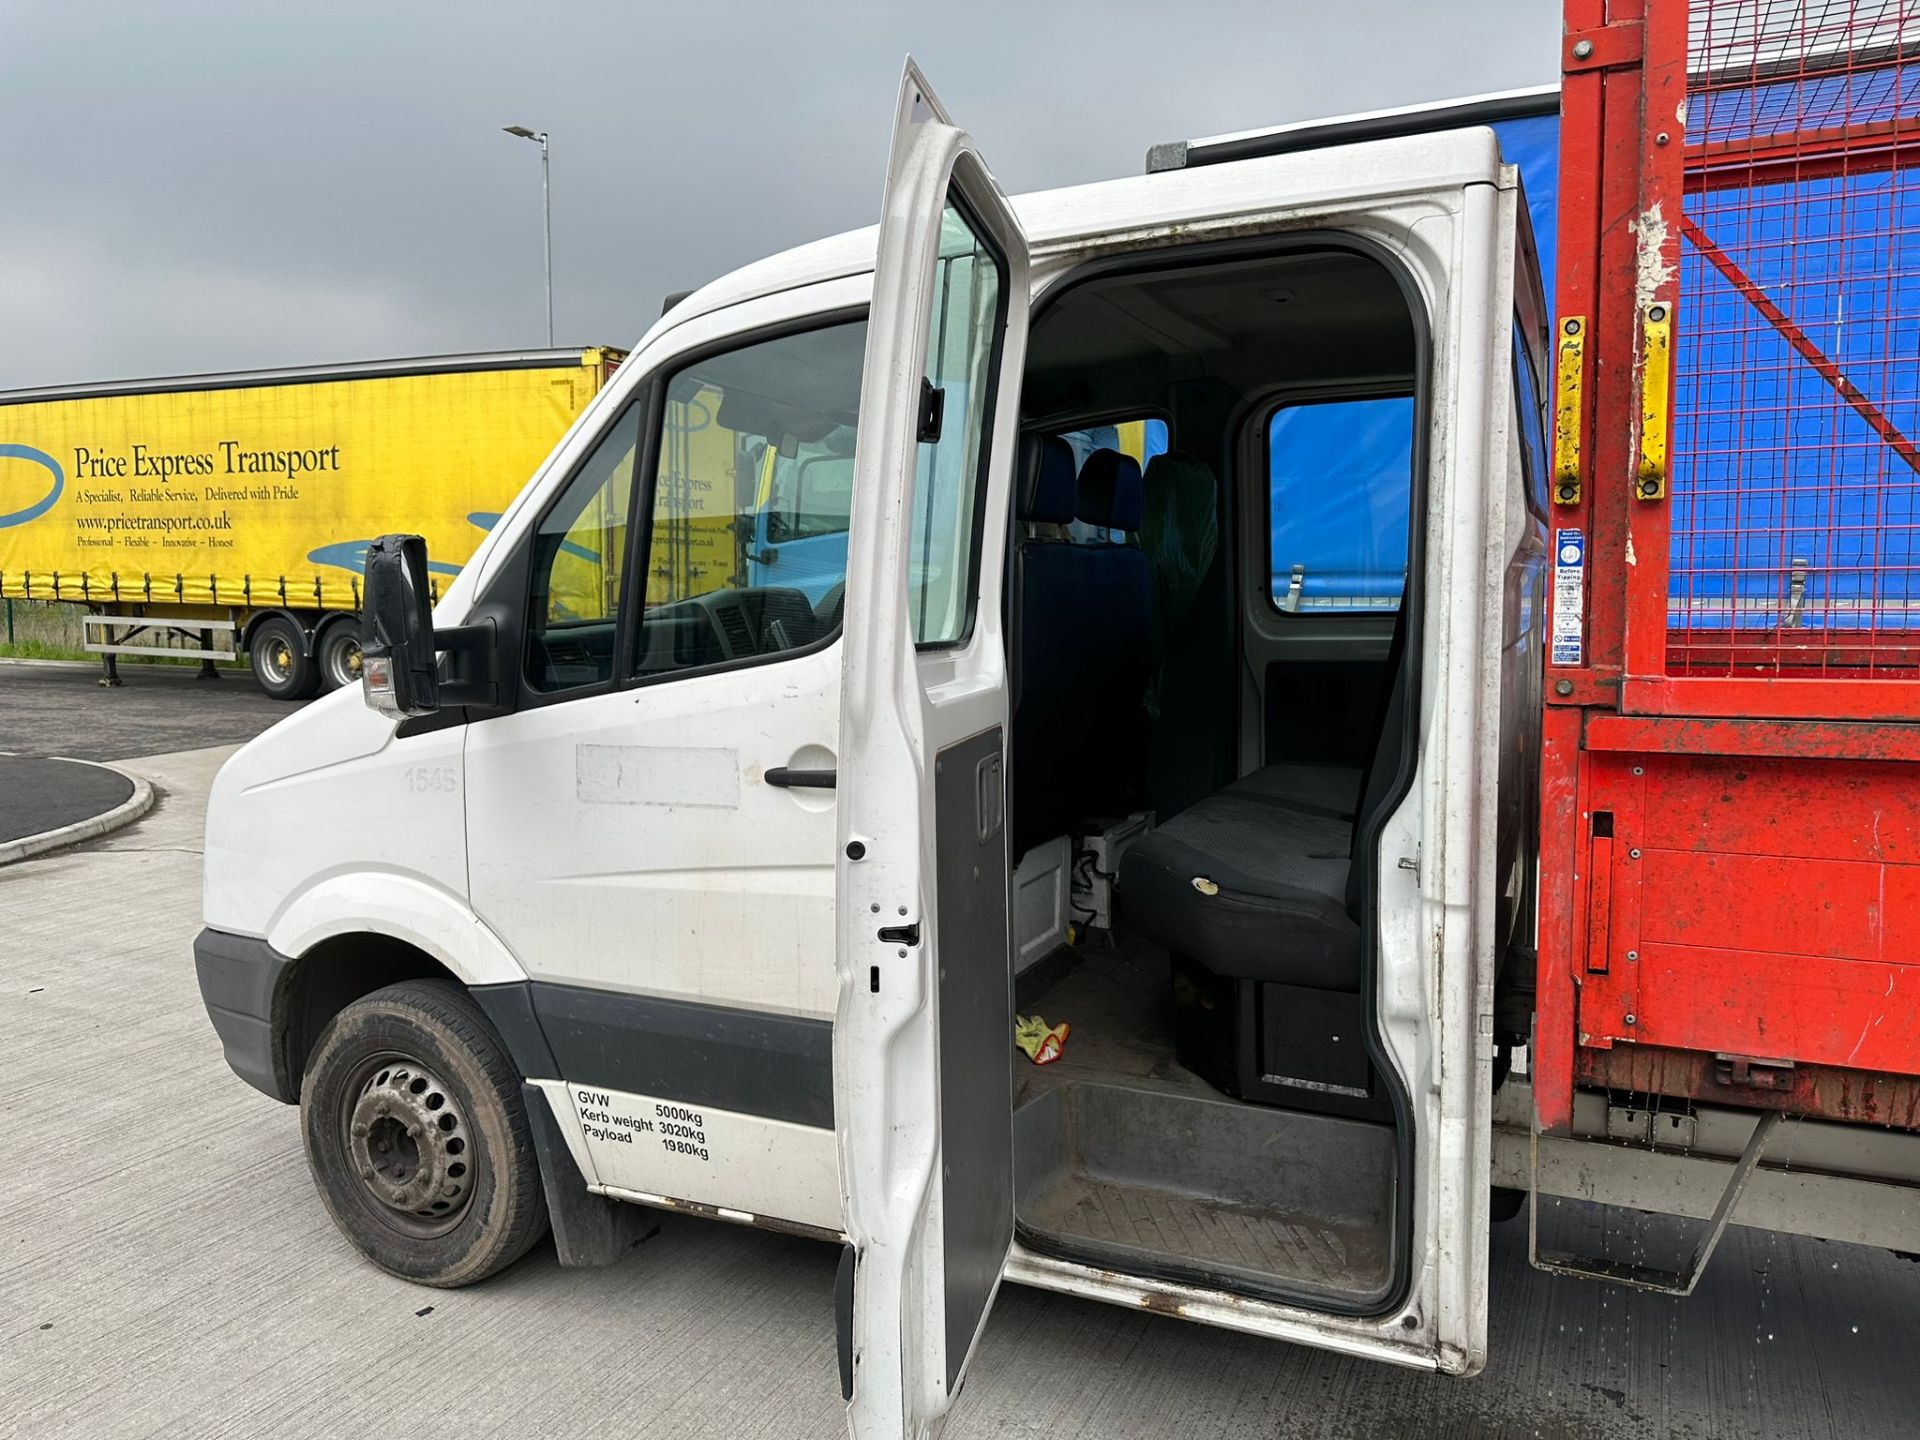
{"x":239,"y":977}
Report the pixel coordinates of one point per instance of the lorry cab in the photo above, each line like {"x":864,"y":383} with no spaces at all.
{"x":1122,"y":605}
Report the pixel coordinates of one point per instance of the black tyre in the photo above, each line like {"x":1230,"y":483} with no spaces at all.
{"x":338,"y":654}
{"x":281,"y":665}
{"x":417,"y":1136}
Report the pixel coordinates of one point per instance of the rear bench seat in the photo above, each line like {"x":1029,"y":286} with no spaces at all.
{"x":1249,"y":882}
{"x":1257,"y":892}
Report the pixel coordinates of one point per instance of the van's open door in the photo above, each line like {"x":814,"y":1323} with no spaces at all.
{"x":923,"y":1043}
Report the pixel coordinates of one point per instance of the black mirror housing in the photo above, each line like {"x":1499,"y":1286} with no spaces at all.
{"x":400,"y":668}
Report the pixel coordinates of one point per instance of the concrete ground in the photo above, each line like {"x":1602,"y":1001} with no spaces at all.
{"x":38,"y":794}
{"x":166,"y":1270}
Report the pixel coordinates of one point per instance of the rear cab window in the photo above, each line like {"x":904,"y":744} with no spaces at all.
{"x":1340,"y":475}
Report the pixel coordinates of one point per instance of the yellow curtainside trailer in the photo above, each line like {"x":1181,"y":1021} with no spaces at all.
{"x":237,"y":508}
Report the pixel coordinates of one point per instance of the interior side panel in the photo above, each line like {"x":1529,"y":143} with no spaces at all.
{"x":976,"y":1009}
{"x":1324,"y":711}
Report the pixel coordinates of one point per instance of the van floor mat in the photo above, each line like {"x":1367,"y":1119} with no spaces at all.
{"x":1264,"y":1248}
{"x":1125,"y":1159}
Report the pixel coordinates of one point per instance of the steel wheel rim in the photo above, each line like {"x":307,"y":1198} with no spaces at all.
{"x":276,"y":660}
{"x":409,"y":1145}
{"x":343,"y":660}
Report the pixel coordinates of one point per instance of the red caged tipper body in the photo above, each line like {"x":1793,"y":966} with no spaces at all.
{"x":1730,"y":826}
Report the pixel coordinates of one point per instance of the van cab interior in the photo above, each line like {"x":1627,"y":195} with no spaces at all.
{"x":1212,"y":694}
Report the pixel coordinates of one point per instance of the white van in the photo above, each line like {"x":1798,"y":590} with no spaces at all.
{"x":682,"y":885}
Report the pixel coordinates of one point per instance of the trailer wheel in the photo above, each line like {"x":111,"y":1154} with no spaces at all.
{"x":338,"y":655}
{"x":416,"y":1132}
{"x":281,"y":665}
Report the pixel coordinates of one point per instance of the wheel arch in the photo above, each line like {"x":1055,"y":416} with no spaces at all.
{"x":327,"y":619}
{"x":303,"y":621}
{"x":328,"y":977}
{"x":353,"y":933}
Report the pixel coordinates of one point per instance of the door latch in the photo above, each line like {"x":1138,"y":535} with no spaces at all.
{"x":1750,"y":1072}
{"x":901,"y":934}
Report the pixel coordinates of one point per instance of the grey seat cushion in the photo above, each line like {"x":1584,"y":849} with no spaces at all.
{"x":1252,"y":886}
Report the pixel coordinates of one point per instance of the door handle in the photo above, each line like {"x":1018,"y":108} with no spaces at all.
{"x":788,"y":779}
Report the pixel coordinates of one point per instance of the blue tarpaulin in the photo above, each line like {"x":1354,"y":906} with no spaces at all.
{"x":1789,"y":507}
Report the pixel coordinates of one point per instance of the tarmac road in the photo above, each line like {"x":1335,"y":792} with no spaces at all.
{"x":38,"y":794}
{"x":166,"y":1269}
{"x":58,"y":707}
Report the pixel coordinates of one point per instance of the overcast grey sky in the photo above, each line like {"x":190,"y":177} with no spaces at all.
{"x":190,"y":185}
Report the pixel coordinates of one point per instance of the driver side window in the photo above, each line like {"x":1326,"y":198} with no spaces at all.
{"x":579,"y":556}
{"x":746,"y":535}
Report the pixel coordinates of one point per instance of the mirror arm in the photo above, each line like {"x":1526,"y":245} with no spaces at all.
{"x":471,"y":673}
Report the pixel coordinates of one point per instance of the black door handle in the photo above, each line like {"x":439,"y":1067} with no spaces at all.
{"x":801,"y":779}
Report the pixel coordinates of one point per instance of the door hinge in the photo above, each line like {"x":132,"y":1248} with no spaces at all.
{"x":1605,"y":47}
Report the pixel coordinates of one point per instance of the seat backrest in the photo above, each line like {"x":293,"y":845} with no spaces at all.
{"x":1048,"y":622}
{"x":1179,"y":531}
{"x":1383,"y":770}
{"x":1113,"y":663}
{"x":1116,"y":570}
{"x":1049,"y":489}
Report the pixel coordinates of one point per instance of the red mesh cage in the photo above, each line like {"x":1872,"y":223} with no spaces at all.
{"x":1797,"y":378}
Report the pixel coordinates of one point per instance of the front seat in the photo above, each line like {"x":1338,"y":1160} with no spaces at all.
{"x":1112,"y":662}
{"x":1041,"y":802}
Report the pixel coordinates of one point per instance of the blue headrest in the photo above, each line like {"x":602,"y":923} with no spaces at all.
{"x":1110,"y":491}
{"x":1050,"y":490}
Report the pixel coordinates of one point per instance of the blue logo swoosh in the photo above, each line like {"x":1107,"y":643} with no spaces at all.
{"x":45,"y":503}
{"x":352,"y":555}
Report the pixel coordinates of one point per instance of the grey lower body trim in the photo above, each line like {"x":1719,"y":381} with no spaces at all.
{"x":749,"y":1061}
{"x":510,"y":1008}
{"x":239,"y":976}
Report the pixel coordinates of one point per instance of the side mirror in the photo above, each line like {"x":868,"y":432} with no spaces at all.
{"x":399,"y":666}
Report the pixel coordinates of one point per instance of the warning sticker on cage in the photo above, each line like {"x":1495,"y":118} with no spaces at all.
{"x":1569,"y":596}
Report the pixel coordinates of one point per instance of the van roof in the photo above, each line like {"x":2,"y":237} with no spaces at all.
{"x":1487,"y":109}
{"x":1146,"y":207}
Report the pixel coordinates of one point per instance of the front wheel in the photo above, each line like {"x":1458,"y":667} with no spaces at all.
{"x":417,"y":1136}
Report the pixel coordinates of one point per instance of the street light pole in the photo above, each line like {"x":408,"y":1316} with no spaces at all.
{"x":546,"y":201}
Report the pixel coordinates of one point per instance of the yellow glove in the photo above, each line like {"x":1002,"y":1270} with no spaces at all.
{"x":1038,"y":1041}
